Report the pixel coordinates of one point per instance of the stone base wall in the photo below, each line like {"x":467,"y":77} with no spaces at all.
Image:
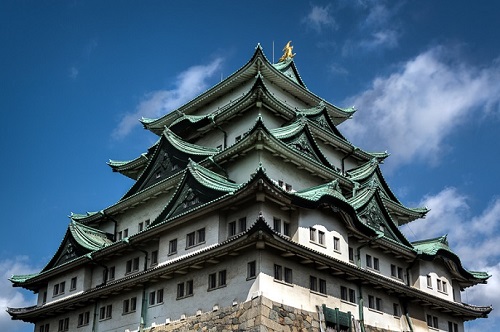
{"x":258,"y":315}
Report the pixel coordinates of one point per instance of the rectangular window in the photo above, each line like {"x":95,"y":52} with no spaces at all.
{"x":232,"y":228}
{"x":313,"y":283}
{"x":44,"y":328}
{"x":322,"y":286}
{"x":312,"y":234}
{"x":371,"y":302}
{"x":378,"y":304}
{"x":251,"y":270}
{"x":125,"y":232}
{"x":105,"y":312}
{"x":400,"y":273}
{"x":185,"y":289}
{"x":190,"y":239}
{"x":44,"y":298}
{"x":352,"y":295}
{"x":432,"y":321}
{"x":351,"y":254}
{"x":129,"y":305}
{"x":154,"y":257}
{"x":369,"y":261}
{"x":395,"y":310}
{"x":288,"y":187}
{"x":222,"y":278}
{"x":288,"y":275}
{"x":119,"y":236}
{"x":63,"y":325}
{"x":59,"y":288}
{"x":243,"y":224}
{"x":376,"y":264}
{"x":277,"y":225}
{"x":439,"y":285}
{"x":212,"y":280}
{"x":321,"y":237}
{"x":452,"y":327}
{"x":156,"y":297}
{"x":189,"y":288}
{"x":278,"y":272}
{"x":336,"y":243}
{"x":172,"y":247}
{"x":132,"y":265}
{"x":393,"y":270}
{"x":195,"y":238}
{"x":343,"y":293}
{"x":180,"y":290}
{"x":429,"y":281}
{"x":83,"y":318}
{"x":445,"y":287}
{"x":111,"y":273}
{"x":146,"y":223}
{"x":286,"y":228}
{"x":72,"y":285}
{"x":140,"y":227}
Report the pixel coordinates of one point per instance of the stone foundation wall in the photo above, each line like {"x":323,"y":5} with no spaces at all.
{"x":258,"y":315}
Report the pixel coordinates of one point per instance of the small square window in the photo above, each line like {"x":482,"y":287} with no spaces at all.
{"x":286,"y":228}
{"x":376,"y":265}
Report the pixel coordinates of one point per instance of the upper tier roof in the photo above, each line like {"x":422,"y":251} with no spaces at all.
{"x":280,"y":74}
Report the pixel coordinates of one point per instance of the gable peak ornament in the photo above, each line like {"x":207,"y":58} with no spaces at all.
{"x":287,"y":52}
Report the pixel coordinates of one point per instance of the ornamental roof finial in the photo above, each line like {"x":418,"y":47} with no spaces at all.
{"x":287,"y":52}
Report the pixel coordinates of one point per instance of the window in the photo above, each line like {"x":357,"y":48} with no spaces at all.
{"x":429,"y":281}
{"x":237,"y":138}
{"x":279,"y":275}
{"x":156,"y":297}
{"x":376,"y":264}
{"x":83,"y":318}
{"x":369,"y":261}
{"x":278,"y":272}
{"x":445,"y":287}
{"x":312,"y":234}
{"x":452,"y":327}
{"x":374,"y":303}
{"x":317,"y":285}
{"x":396,"y":272}
{"x":321,"y":237}
{"x":243,"y":224}
{"x":129,"y":305}
{"x":44,"y":297}
{"x":59,"y":288}
{"x":288,"y":275}
{"x":442,"y":286}
{"x":231,"y":228}
{"x":432,"y":321}
{"x":72,"y":284}
{"x":146,"y":223}
{"x":351,"y":254}
{"x":63,"y":324}
{"x":154,"y":257}
{"x":395,"y":310}
{"x":251,"y":270}
{"x":185,"y":289}
{"x":277,"y":225}
{"x":125,"y":232}
{"x":336,"y":243}
{"x":119,"y":236}
{"x":108,"y":274}
{"x":286,"y":228}
{"x":439,"y":285}
{"x":172,"y":247}
{"x":348,"y":294}
{"x":44,"y":328}
{"x":132,"y":265}
{"x":288,"y":187}
{"x":105,"y":312}
{"x":217,"y":280}
{"x":140,"y":227}
{"x":195,"y":238}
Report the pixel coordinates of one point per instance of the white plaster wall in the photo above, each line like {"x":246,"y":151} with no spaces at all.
{"x":83,"y":275}
{"x":333,"y":156}
{"x":119,"y":262}
{"x":241,"y":169}
{"x":435,"y":270}
{"x":131,"y":218}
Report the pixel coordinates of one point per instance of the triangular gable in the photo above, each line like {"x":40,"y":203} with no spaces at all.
{"x":289,"y":69}
{"x":320,"y":117}
{"x":78,"y":241}
{"x":171,"y":156}
{"x":372,"y":212}
{"x":298,"y":136}
{"x":197,"y":187}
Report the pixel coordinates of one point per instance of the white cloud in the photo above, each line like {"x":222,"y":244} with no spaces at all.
{"x":412,"y":111}
{"x":319,"y":18}
{"x":385,"y":38}
{"x":73,"y":72}
{"x":10,"y":296}
{"x":189,"y":84}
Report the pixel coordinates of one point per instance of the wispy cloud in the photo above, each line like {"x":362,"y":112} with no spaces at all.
{"x":475,"y":238}
{"x":412,"y":111}
{"x":188,"y":84}
{"x":13,"y":297}
{"x":319,"y":18}
{"x":84,"y":57}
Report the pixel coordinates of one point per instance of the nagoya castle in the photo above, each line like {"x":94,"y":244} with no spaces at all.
{"x":251,"y":212}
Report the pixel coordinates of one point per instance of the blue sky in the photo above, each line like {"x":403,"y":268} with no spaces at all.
{"x":76,"y":76}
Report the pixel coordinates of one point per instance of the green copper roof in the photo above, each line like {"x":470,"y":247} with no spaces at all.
{"x":315,"y":193}
{"x":88,"y":237}
{"x":432,"y":247}
{"x":188,"y":148}
{"x":211,"y":179}
{"x":20,"y":278}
